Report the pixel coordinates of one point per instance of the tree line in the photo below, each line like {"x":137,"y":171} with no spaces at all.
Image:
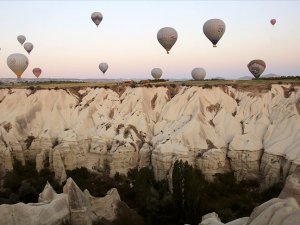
{"x":184,"y":199}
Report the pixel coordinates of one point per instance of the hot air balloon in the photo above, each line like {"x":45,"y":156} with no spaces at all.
{"x":28,"y":47}
{"x":18,"y":63}
{"x":156,"y":73}
{"x":103,"y":67}
{"x":37,"y":72}
{"x":256,"y":67}
{"x":273,"y":21}
{"x":167,"y":37}
{"x":21,"y":39}
{"x":214,"y":30}
{"x":198,"y":73}
{"x":97,"y":18}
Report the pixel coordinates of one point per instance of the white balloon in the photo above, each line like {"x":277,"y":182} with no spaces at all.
{"x":21,"y":39}
{"x":156,"y":73}
{"x":198,"y":73}
{"x":28,"y":47}
{"x":103,"y":67}
{"x":18,"y":63}
{"x":214,"y":30}
{"x":167,"y":37}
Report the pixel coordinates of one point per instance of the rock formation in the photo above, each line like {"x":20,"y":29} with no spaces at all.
{"x":292,"y":186}
{"x":253,"y":131}
{"x":273,"y":212}
{"x":73,"y":205}
{"x":54,"y":212}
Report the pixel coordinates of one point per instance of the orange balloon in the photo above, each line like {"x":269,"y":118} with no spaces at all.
{"x":37,"y":72}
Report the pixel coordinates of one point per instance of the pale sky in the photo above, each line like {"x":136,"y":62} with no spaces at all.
{"x":67,"y":44}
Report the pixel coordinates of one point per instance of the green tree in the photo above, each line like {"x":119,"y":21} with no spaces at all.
{"x":27,"y":193}
{"x":12,"y":181}
{"x":177,"y":183}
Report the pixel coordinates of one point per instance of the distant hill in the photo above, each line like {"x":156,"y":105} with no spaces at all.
{"x":219,"y":78}
{"x":245,"y":78}
{"x":269,"y":75}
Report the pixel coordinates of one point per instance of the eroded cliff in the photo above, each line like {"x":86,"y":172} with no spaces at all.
{"x":253,"y":131}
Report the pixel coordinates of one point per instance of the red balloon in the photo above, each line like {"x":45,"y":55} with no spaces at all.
{"x":37,"y":72}
{"x":273,"y":21}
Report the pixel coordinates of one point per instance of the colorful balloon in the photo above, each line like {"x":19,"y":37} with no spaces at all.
{"x":103,"y":67}
{"x":97,"y":18}
{"x":18,"y":63}
{"x":37,"y":72}
{"x":214,"y":30}
{"x":167,"y":37}
{"x":21,"y":39}
{"x":28,"y":47}
{"x":256,"y":67}
{"x":198,"y":73}
{"x":156,"y":73}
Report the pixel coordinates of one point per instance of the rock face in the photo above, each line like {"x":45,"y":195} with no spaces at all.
{"x":54,"y":212}
{"x":73,"y":205}
{"x":105,"y":207}
{"x":292,"y":186}
{"x":276,"y":211}
{"x":252,"y":131}
{"x":273,"y":212}
{"x":78,"y":205}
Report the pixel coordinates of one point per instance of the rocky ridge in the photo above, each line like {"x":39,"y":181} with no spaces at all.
{"x":252,"y":131}
{"x":72,"y":206}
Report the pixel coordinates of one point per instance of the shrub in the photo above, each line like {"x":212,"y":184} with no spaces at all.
{"x":80,"y":176}
{"x":27,"y":193}
{"x":12,"y":181}
{"x":207,"y":86}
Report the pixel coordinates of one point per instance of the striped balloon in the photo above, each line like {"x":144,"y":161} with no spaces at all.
{"x":18,"y":63}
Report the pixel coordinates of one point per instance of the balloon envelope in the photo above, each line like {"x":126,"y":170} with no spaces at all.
{"x":167,"y":37}
{"x":97,"y":18}
{"x":28,"y":47}
{"x":156,"y":73}
{"x":198,"y":73}
{"x":18,"y":63}
{"x":37,"y":72}
{"x":273,"y":21}
{"x":256,"y":67}
{"x":103,"y":67}
{"x":214,"y":30}
{"x":21,"y":39}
